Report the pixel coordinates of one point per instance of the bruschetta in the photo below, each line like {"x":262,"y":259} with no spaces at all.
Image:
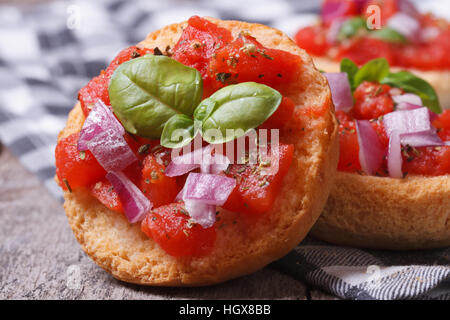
{"x":147,"y":216}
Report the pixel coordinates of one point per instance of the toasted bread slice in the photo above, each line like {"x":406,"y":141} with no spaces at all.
{"x":241,"y":247}
{"x":386,"y":213}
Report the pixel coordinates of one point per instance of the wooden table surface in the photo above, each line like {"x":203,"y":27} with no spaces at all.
{"x":40,"y":258}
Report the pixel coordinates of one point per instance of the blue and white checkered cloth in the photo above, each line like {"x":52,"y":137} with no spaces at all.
{"x":49,"y":51}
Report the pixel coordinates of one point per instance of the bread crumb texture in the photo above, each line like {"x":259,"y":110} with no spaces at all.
{"x":242,"y":247}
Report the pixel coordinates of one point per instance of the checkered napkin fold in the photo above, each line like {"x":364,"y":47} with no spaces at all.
{"x":50,"y":51}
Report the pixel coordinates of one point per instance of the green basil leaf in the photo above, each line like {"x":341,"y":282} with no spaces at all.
{"x":351,"y":69}
{"x":410,"y":83}
{"x":373,"y":71}
{"x":351,"y":27}
{"x":388,"y":35}
{"x":240,"y":107}
{"x":146,"y":92}
{"x":178,"y":131}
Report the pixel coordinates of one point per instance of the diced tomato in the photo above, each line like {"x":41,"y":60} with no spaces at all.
{"x":74,"y":168}
{"x":371,"y":101}
{"x":245,"y":59}
{"x":282,"y":115}
{"x":171,"y":228}
{"x":197,"y":44}
{"x":362,"y":50}
{"x":157,"y":187}
{"x":348,"y":144}
{"x":313,"y":40}
{"x":257,"y":187}
{"x":387,"y":9}
{"x":97,"y":88}
{"x":430,"y":161}
{"x":104,"y":192}
{"x":427,"y":56}
{"x":125,"y":55}
{"x":442,"y":124}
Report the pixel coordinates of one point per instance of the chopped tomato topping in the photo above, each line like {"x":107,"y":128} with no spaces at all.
{"x":442,"y":124}
{"x":76,"y":168}
{"x":430,"y":161}
{"x":104,"y":192}
{"x":313,"y":40}
{"x":348,"y":143}
{"x":282,"y":115}
{"x":245,"y":59}
{"x":171,"y":228}
{"x":197,"y":44}
{"x":387,"y":9}
{"x":156,"y":186}
{"x":97,"y":88}
{"x":371,"y":101}
{"x":428,"y":56}
{"x":362,"y":50}
{"x":256,"y":185}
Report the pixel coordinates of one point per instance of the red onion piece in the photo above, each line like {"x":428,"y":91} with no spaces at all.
{"x":333,"y":30}
{"x":408,"y":8}
{"x":407,"y":121}
{"x":408,"y":127}
{"x":360,"y":4}
{"x":186,"y":162}
{"x":208,"y":188}
{"x":219,"y":163}
{"x":423,"y":139}
{"x":199,"y":158}
{"x":99,"y":119}
{"x":102,"y":134}
{"x":403,"y":106}
{"x":405,"y":24}
{"x":408,"y":98}
{"x":341,"y":92}
{"x":333,"y":9}
{"x":429,"y":33}
{"x":135,"y":204}
{"x":394,"y":157}
{"x":201,"y":213}
{"x":111,"y":150}
{"x":371,"y":151}
{"x":202,"y":193}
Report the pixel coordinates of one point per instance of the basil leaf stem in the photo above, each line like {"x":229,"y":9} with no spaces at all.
{"x":178,"y":131}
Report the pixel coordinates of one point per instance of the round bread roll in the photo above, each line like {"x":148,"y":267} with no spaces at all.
{"x":438,"y":79}
{"x":386,"y":213}
{"x":241,"y":246}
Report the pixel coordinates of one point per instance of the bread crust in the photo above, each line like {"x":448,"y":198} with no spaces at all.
{"x":386,"y":213}
{"x":241,"y":248}
{"x":439,"y":80}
